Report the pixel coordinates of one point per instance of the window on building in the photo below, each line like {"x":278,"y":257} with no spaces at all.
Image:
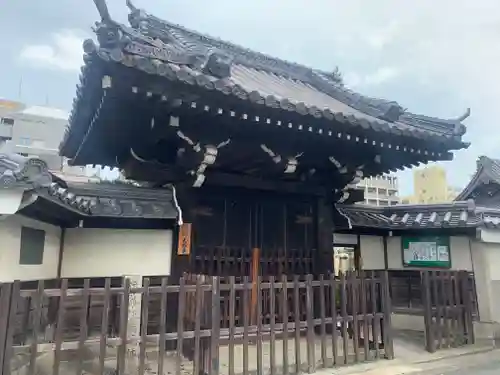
{"x":24,"y":141}
{"x":32,"y":246}
{"x":393,"y":203}
{"x":383,"y":202}
{"x":382,"y":191}
{"x":392,"y":192}
{"x":372,"y":202}
{"x":371,"y":190}
{"x":7,"y":121}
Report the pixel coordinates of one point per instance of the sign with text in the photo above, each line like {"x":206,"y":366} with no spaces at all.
{"x":429,"y":252}
{"x":184,"y":245}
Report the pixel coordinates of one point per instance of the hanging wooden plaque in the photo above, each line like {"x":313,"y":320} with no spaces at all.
{"x":184,"y":245}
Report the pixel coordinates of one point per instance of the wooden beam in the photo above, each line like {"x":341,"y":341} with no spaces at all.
{"x":235,"y":180}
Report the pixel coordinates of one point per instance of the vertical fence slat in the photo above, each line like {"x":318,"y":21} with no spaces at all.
{"x":198,"y":313}
{"x":104,"y":325}
{"x":426,"y":294}
{"x":443,"y":303}
{"x":82,"y":337}
{"x":122,"y":350}
{"x":436,"y":312}
{"x":366,"y":321}
{"x":311,"y":361}
{"x":460,"y":306}
{"x":284,"y":301}
{"x":345,"y":318}
{"x":37,"y":316}
{"x":163,"y":325}
{"x":387,"y":310}
{"x":258,"y":288}
{"x":272,"y":323}
{"x":144,"y":324}
{"x":232,"y":313}
{"x":333,"y":307}
{"x":322,"y":313}
{"x":180,"y":324}
{"x":246,"y":321}
{"x":354,"y":285}
{"x":468,"y":309}
{"x":296,"y":313}
{"x":450,"y":278}
{"x":5,"y":297}
{"x":9,"y":339}
{"x":59,"y":327}
{"x":376,"y":319}
{"x":214,"y":338}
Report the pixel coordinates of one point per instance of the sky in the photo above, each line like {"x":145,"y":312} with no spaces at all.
{"x":435,"y":57}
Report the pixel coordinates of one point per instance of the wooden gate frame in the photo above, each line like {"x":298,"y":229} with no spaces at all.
{"x":451,"y":308}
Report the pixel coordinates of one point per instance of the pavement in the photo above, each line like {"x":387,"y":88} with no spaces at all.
{"x":474,"y":359}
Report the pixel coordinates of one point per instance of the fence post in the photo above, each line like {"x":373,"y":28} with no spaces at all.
{"x":430,"y":343}
{"x":10,"y":310}
{"x":468,"y":307}
{"x":214,"y":335}
{"x":5,"y":296}
{"x":311,"y":361}
{"x":387,"y":310}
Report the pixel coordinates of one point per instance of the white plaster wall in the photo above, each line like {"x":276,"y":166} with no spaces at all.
{"x":10,"y":245}
{"x":481,"y":258}
{"x":10,"y":200}
{"x":487,"y":265}
{"x":116,"y":252}
{"x":372,"y":252}
{"x":394,"y":253}
{"x":461,"y":257}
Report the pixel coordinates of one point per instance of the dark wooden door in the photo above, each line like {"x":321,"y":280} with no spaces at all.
{"x":229,"y":225}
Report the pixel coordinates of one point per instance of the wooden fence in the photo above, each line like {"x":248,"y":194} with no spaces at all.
{"x":405,"y":288}
{"x":299,"y":324}
{"x":448,"y":309}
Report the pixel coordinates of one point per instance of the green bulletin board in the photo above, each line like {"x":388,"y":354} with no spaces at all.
{"x":432,"y":252}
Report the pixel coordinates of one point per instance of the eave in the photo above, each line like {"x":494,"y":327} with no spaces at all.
{"x":417,"y":217}
{"x":57,"y":201}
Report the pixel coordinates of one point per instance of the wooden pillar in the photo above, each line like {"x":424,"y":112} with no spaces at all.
{"x":324,"y":225}
{"x":181,"y":260}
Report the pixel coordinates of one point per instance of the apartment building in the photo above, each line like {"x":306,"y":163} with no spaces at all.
{"x":33,"y":130}
{"x":37,"y":131}
{"x":380,"y":190}
{"x":430,"y":185}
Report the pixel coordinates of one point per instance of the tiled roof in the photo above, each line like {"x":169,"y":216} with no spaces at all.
{"x":87,"y":199}
{"x":161,"y":48}
{"x":23,"y":172}
{"x":450,"y":215}
{"x":487,"y":172}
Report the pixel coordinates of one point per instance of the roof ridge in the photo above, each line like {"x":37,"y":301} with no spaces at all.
{"x":137,"y":15}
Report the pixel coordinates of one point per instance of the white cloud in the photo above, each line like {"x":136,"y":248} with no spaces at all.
{"x":63,"y":53}
{"x":378,"y":77}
